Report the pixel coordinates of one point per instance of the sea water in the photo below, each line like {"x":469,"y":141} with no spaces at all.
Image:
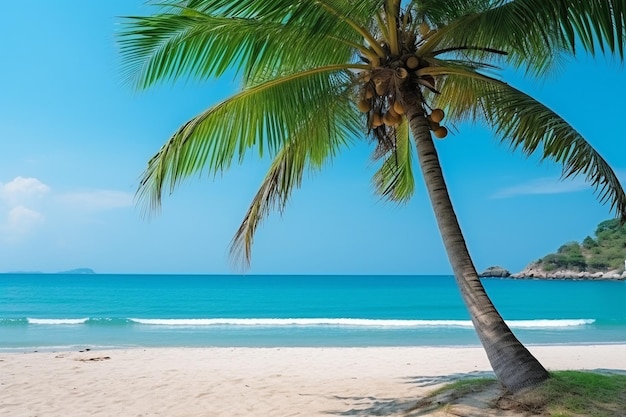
{"x":63,"y":311}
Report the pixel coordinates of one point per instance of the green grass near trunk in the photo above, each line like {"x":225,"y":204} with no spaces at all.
{"x":565,"y":394}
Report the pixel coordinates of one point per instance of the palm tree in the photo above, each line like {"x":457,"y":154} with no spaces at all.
{"x":318,"y":74}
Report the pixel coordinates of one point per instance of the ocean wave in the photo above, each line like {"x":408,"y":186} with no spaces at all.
{"x":529,"y":324}
{"x":299,"y":322}
{"x":57,"y":321}
{"x":351,"y":322}
{"x":292,"y":322}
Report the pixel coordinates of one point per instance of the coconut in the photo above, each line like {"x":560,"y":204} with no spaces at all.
{"x":441,"y":132}
{"x":433,"y":125}
{"x":364,"y":106}
{"x":369,"y":92}
{"x":437,"y":115}
{"x":398,"y":107}
{"x":381,"y":89}
{"x":412,"y":62}
{"x":376,"y":120}
{"x":392,"y":119}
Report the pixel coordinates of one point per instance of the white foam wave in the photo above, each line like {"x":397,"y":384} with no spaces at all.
{"x":298,"y":322}
{"x":351,"y":322}
{"x":304,"y":322}
{"x":56,"y":321}
{"x":529,"y":324}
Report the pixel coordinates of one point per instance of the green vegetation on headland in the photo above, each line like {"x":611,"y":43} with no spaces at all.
{"x":602,"y":257}
{"x":564,"y":394}
{"x":607,"y":251}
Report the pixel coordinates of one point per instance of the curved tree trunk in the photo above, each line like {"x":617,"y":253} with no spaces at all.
{"x":515,"y":367}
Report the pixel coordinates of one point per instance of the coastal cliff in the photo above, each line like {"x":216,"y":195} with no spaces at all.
{"x":602,"y":257}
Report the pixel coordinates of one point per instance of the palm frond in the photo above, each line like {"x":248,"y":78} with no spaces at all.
{"x":308,"y":12}
{"x":260,"y":39}
{"x":461,"y":88}
{"x":394,"y":180}
{"x":536,"y":33}
{"x":596,"y":23}
{"x":528,"y":125}
{"x":168,"y":46}
{"x":264,"y":117}
{"x":440,"y":13}
{"x":319,"y":139}
{"x":529,"y":41}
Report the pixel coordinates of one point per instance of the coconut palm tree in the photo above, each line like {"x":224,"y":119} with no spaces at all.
{"x":319,"y":74}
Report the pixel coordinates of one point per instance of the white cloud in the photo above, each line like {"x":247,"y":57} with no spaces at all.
{"x":20,"y":189}
{"x":16,"y":219}
{"x":98,"y":199}
{"x":544,"y":186}
{"x":26,"y":202}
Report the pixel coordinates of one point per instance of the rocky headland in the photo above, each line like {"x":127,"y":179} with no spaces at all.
{"x":602,"y":257}
{"x":532,"y":271}
{"x":495,"y":272}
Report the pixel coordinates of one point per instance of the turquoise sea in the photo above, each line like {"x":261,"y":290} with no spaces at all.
{"x":58,"y":311}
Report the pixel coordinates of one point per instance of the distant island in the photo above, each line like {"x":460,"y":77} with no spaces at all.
{"x":78,"y":271}
{"x":602,"y":257}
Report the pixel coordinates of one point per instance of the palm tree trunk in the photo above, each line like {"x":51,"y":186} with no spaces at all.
{"x":515,"y":367}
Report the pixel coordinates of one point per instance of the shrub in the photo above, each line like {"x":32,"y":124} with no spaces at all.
{"x":589,"y":243}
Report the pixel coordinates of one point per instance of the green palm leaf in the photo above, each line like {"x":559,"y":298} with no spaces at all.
{"x":440,"y":13}
{"x":202,"y":46}
{"x":536,"y":33}
{"x":264,"y":117}
{"x":257,"y":38}
{"x":505,"y":28}
{"x":394,"y":180}
{"x":319,"y":139}
{"x":528,"y":125}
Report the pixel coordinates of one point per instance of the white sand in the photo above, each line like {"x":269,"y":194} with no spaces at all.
{"x":251,"y":381}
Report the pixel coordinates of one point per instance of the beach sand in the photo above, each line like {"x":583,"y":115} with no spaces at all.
{"x":274,"y":382}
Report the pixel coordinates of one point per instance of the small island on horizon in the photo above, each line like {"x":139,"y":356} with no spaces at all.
{"x":601,"y":258}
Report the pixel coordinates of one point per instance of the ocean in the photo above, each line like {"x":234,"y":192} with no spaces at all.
{"x":64,"y":311}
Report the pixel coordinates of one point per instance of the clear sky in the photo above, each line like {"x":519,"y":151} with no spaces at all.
{"x":74,"y":140}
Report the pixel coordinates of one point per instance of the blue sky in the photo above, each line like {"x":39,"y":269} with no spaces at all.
{"x":74,"y":140}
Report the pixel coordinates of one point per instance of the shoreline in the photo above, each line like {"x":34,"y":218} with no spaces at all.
{"x":86,"y":348}
{"x":250,"y":381}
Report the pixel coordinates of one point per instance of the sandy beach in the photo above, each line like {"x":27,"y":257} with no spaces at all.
{"x":252,"y":381}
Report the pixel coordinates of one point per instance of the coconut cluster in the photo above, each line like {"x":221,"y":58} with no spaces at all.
{"x":434,"y":118}
{"x":378,"y":89}
{"x":379,"y":96}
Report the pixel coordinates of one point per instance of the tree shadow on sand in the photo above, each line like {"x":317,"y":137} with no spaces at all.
{"x":488,"y":400}
{"x":373,"y":406}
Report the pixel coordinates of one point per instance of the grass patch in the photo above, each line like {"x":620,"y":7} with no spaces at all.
{"x":565,"y":394}
{"x":575,"y":393}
